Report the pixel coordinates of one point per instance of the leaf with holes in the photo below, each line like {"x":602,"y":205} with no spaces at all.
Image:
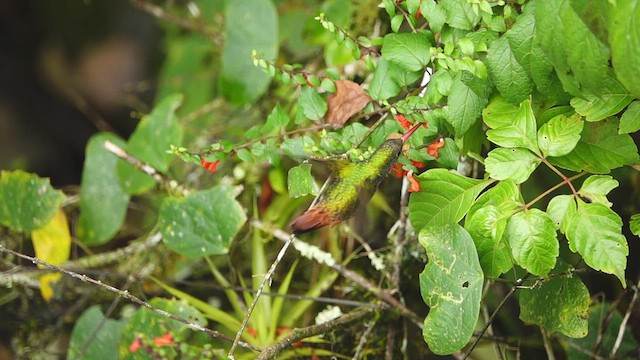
{"x":451,"y":285}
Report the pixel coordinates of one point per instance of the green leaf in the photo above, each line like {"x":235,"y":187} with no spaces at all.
{"x":148,"y":323}
{"x":94,"y":337}
{"x":610,"y":98}
{"x":519,"y":130}
{"x":388,"y":80}
{"x":445,"y":198}
{"x":468,"y":96}
{"x":460,"y":14}
{"x":300,"y":182}
{"x":504,"y":195}
{"x":486,"y":226}
{"x":604,"y":323}
{"x":516,"y":164}
{"x":509,"y":76}
{"x":103,"y":202}
{"x":312,"y":104}
{"x":634,"y":224}
{"x":451,"y":285}
{"x":150,"y":141}
{"x":434,"y":13}
{"x":560,"y":135}
{"x":624,"y":37}
{"x":203,"y":223}
{"x":600,"y":149}
{"x":409,"y":50}
{"x":277,"y":121}
{"x":595,"y":232}
{"x":560,"y":209}
{"x":250,"y":25}
{"x":560,"y":304}
{"x":533,"y":241}
{"x":28,"y":201}
{"x":595,"y":188}
{"x":630,"y":120}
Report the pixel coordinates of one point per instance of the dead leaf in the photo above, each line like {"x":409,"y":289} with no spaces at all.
{"x":348,"y":100}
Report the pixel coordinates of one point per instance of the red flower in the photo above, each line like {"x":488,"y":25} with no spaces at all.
{"x":397,"y":171}
{"x":136,"y":344}
{"x":432,"y":149}
{"x":403,"y":121}
{"x":415,"y":185}
{"x":210,"y":166}
{"x":252,"y":331}
{"x":417,"y":164}
{"x":164,"y":340}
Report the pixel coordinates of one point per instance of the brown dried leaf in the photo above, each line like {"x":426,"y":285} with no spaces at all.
{"x":348,"y":100}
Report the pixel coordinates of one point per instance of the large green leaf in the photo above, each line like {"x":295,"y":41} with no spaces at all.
{"x":94,"y":337}
{"x":507,"y":73}
{"x":103,"y":202}
{"x":609,"y":99}
{"x":300,"y":182}
{"x":624,"y":37}
{"x":486,"y":226}
{"x":560,"y":304}
{"x":312,"y":104}
{"x":388,"y":80}
{"x":595,"y":188}
{"x":203,"y":223}
{"x":445,"y":198}
{"x":249,"y":25}
{"x":516,"y":164}
{"x":505,"y":193}
{"x":28,"y":201}
{"x":460,"y":14}
{"x":468,"y":96}
{"x":595,"y":232}
{"x":150,"y":141}
{"x":409,"y":50}
{"x":561,"y":208}
{"x":600,"y":149}
{"x":451,"y":285}
{"x":533,"y":240}
{"x":560,"y":135}
{"x":513,"y":130}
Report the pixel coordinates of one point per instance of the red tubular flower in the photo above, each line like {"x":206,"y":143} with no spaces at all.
{"x":136,"y":344}
{"x":397,"y":170}
{"x":432,"y":149}
{"x":414,"y":184}
{"x":402,"y":120}
{"x":210,"y":166}
{"x":417,"y":164}
{"x":164,"y":340}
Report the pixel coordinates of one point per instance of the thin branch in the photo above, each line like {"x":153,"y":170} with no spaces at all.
{"x":623,"y":325}
{"x":555,"y":187}
{"x":363,"y":339}
{"x":562,"y":176}
{"x":298,"y":334}
{"x":547,"y":344}
{"x":126,"y":295}
{"x":348,"y":274}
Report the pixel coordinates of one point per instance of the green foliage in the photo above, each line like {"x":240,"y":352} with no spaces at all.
{"x":300,"y":182}
{"x":99,"y":338}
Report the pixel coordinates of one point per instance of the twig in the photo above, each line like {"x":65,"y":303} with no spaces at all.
{"x":267,"y":278}
{"x":555,"y":170}
{"x":272,"y":351}
{"x":371,"y":130}
{"x":363,"y":339}
{"x":547,"y":344}
{"x":348,"y":274}
{"x":126,"y":295}
{"x":553,"y":188}
{"x":623,"y":325}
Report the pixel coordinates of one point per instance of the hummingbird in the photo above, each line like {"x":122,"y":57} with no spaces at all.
{"x":350,"y":185}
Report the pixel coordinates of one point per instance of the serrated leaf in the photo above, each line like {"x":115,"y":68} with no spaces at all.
{"x":300,"y":182}
{"x":388,"y":79}
{"x":533,"y":241}
{"x":445,"y":198}
{"x":460,"y":14}
{"x":561,"y":208}
{"x":611,"y":97}
{"x":507,"y":73}
{"x":517,"y":131}
{"x":202,"y":223}
{"x":249,"y":25}
{"x":276,"y":122}
{"x":313,"y":105}
{"x":150,"y":141}
{"x":624,"y":38}
{"x":52,"y":243}
{"x":94,"y":337}
{"x":151,"y":324}
{"x":604,"y":323}
{"x":516,"y":164}
{"x":28,"y":201}
{"x":486,"y":226}
{"x":467,"y":98}
{"x":630,"y":120}
{"x":560,"y":135}
{"x":595,"y":232}
{"x":600,"y":149}
{"x":504,"y":195}
{"x":434,"y":13}
{"x":409,"y":50}
{"x":595,"y":188}
{"x":634,"y":224}
{"x":451,"y":285}
{"x":103,"y":201}
{"x":560,"y":304}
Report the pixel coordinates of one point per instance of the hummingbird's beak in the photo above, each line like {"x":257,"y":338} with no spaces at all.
{"x":412,"y":130}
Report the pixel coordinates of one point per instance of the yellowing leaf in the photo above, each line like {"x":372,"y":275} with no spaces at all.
{"x":52,"y":243}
